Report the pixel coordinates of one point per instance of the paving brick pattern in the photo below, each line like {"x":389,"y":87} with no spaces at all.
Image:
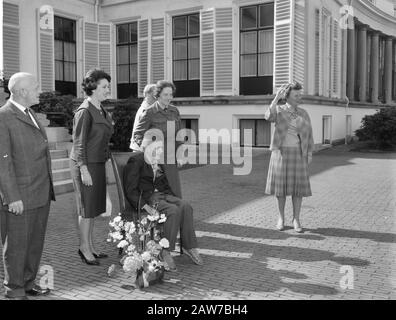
{"x":349,"y":221}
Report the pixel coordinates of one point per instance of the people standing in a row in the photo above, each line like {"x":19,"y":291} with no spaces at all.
{"x":26,"y":188}
{"x":92,"y":130}
{"x":292,"y":145}
{"x":157,"y":116}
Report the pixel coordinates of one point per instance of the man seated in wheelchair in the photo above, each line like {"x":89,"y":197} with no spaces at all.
{"x":146,"y":184}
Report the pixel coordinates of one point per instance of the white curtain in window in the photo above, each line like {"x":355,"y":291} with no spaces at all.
{"x":133,"y":73}
{"x":122,"y":55}
{"x":70,"y":71}
{"x":123,"y":74}
{"x":133,"y":53}
{"x":193,"y":48}
{"x":180,"y":70}
{"x":58,"y":50}
{"x":69,"y":51}
{"x":266,"y":41}
{"x":58,"y":70}
{"x":265,"y":64}
{"x":193,"y":70}
{"x":180,"y":49}
{"x":249,"y":42}
{"x":249,"y":65}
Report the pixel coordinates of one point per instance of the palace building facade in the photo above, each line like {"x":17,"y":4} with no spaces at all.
{"x":226,"y":57}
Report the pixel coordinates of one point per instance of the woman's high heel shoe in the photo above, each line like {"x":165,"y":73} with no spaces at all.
{"x":99,"y":255}
{"x":90,"y":262}
{"x":297,"y":227}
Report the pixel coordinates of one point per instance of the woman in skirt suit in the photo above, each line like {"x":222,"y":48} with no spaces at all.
{"x":92,"y":129}
{"x":292,"y":145}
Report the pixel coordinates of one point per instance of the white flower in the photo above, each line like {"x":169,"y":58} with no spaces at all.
{"x":142,"y":237}
{"x":144,"y":221}
{"x":146,"y":256}
{"x":153,"y":217}
{"x":162,"y":218}
{"x":164,"y":243}
{"x":117,"y":219}
{"x":133,"y":263}
{"x":131,"y":248}
{"x":122,"y":244}
{"x":117,"y":236}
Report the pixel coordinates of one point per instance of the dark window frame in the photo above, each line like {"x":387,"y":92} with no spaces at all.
{"x":62,"y":86}
{"x":188,"y":87}
{"x":255,"y":133}
{"x":132,"y":87}
{"x":252,"y":85}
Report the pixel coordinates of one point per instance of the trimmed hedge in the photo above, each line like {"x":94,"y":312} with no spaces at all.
{"x":380,"y":128}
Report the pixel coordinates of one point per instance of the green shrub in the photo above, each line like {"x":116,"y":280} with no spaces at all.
{"x":59,"y":109}
{"x":379,"y":128}
{"x":123,"y":116}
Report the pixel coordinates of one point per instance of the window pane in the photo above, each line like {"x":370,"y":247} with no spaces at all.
{"x":179,"y":70}
{"x":249,"y":17}
{"x":59,"y":70}
{"x":193,"y":48}
{"x":133,"y":73}
{"x":249,"y":65}
{"x":123,"y":74}
{"x":133,"y":53}
{"x":266,"y":41}
{"x":70,"y":71}
{"x":58,"y":50}
{"x":180,"y":26}
{"x":249,"y":42}
{"x":122,"y":33}
{"x":58,"y":28}
{"x":265,"y":64}
{"x":193,"y":69}
{"x":122,"y":55}
{"x":193,"y":25}
{"x":69,"y":51}
{"x":180,"y":49}
{"x":267,"y":15}
{"x":69,"y":30}
{"x":133,"y":31}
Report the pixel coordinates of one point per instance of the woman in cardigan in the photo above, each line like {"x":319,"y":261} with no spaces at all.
{"x":158,"y":116}
{"x":92,"y":129}
{"x":292,"y":145}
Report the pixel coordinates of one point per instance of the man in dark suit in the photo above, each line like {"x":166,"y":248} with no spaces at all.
{"x":26,"y":188}
{"x":146,"y":183}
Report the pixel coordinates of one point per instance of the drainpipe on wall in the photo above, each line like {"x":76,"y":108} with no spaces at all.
{"x":346,"y":114}
{"x":96,"y":11}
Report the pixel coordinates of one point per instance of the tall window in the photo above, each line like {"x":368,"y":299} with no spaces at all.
{"x":186,"y":61}
{"x":65,"y":56}
{"x":261,"y":130}
{"x":256,"y":49}
{"x":127,"y":76}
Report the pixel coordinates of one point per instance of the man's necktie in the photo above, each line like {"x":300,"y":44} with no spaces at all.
{"x":30,"y":116}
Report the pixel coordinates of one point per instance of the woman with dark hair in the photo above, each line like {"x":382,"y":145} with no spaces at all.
{"x":92,"y":129}
{"x":157,"y":116}
{"x":292,"y":145}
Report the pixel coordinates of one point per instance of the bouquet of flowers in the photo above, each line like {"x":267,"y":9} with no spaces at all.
{"x":140,"y":245}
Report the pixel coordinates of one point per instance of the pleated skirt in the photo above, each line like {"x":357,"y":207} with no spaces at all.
{"x":91,"y":201}
{"x":288,"y":173}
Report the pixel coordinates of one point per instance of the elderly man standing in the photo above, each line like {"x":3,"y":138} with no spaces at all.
{"x":149,"y":98}
{"x":26,"y":188}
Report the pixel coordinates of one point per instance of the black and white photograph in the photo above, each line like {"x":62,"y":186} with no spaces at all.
{"x":196,"y":155}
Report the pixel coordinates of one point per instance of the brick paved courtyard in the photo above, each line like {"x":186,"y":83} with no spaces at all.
{"x":349,"y":221}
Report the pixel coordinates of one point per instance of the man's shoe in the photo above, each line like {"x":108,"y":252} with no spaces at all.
{"x":194,"y":255}
{"x":37,"y":291}
{"x":17,"y":298}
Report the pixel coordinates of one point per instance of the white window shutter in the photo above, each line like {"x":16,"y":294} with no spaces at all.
{"x":299,"y":43}
{"x":143,"y":54}
{"x":157,"y":49}
{"x":105,"y":62}
{"x":336,"y":59}
{"x":207,"y":46}
{"x":10,"y":39}
{"x":223,"y":51}
{"x":46,"y":57}
{"x":282,"y":39}
{"x":91,"y":45}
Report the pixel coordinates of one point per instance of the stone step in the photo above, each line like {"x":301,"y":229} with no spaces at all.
{"x":61,"y":174}
{"x":63,"y":186}
{"x":58,"y":164}
{"x":60,"y":146}
{"x":58,"y":154}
